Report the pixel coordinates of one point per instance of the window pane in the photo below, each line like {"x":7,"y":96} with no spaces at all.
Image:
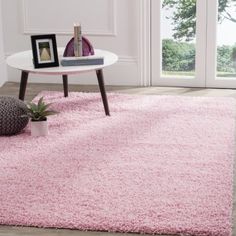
{"x":226,"y":39}
{"x":178,"y":26}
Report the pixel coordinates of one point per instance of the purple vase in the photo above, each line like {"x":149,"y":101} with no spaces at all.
{"x":86,"y":45}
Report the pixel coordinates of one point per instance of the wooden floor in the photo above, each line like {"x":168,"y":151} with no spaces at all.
{"x":34,"y":89}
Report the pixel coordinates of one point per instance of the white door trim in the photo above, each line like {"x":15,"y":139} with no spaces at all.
{"x":156,"y":44}
{"x":145,"y":42}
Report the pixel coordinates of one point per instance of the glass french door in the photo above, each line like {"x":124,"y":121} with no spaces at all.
{"x":194,"y":43}
{"x":221,"y":44}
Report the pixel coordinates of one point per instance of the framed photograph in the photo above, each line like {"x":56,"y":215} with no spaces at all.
{"x":44,"y":51}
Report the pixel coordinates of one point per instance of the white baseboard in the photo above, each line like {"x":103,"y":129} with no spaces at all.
{"x":124,"y":73}
{"x":3,"y":72}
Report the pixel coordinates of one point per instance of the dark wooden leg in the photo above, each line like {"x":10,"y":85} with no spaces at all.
{"x":103,"y":91}
{"x":65,"y":85}
{"x":23,"y":84}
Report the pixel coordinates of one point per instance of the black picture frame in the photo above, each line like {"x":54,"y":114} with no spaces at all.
{"x":44,"y":48}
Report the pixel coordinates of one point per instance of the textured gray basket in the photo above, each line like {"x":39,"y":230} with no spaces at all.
{"x":11,"y":110}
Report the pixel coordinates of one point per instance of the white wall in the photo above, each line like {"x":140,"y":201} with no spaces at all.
{"x":120,"y":26}
{"x":3,"y":76}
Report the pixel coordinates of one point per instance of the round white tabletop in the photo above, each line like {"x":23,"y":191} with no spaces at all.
{"x":24,"y":62}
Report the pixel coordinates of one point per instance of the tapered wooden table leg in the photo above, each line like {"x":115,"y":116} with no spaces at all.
{"x":103,"y":91}
{"x":23,"y":84}
{"x":65,"y":85}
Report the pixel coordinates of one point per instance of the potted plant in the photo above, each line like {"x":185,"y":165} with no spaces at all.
{"x":38,"y":113}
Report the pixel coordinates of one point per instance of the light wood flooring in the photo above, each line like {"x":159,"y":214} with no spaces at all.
{"x":33,"y":89}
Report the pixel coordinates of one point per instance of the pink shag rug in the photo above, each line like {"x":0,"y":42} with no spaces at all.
{"x":159,"y":164}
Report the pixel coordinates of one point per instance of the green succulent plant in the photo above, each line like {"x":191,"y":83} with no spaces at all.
{"x":39,"y":111}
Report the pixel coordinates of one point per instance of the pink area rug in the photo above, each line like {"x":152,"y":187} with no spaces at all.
{"x":159,"y":164}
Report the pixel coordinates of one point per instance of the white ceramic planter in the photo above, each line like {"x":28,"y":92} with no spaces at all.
{"x":39,"y":128}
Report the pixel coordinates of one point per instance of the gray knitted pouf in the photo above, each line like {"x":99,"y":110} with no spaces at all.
{"x":11,"y":110}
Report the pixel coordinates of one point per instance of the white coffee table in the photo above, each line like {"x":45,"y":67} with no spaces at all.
{"x":23,"y":61}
